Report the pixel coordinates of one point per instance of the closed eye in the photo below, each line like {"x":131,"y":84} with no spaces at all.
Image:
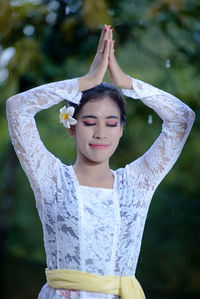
{"x":110,"y":124}
{"x":87,"y":123}
{"x":114,"y":124}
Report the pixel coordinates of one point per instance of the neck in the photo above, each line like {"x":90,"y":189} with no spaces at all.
{"x":92,"y":169}
{"x":93,"y":174}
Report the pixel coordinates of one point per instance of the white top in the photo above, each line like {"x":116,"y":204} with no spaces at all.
{"x":94,"y":229}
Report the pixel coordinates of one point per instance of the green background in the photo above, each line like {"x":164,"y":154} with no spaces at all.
{"x":157,"y":42}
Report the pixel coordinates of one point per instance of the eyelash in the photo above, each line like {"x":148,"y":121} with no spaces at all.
{"x":93,"y":124}
{"x":113,"y":125}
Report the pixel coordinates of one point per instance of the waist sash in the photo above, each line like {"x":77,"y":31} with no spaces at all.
{"x":127,"y":287}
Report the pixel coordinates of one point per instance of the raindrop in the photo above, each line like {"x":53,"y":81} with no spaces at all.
{"x":150,"y":119}
{"x":6,"y":55}
{"x":29,"y":30}
{"x":67,"y":10}
{"x":3,"y":75}
{"x":168,"y":64}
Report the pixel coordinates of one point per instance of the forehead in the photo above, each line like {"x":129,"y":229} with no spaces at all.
{"x":100,"y":107}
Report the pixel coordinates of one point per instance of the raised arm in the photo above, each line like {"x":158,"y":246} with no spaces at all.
{"x":177,"y":119}
{"x":38,"y":163}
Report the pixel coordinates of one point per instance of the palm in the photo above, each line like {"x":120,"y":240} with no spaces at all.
{"x":117,"y":76}
{"x":104,"y":59}
{"x":100,"y":62}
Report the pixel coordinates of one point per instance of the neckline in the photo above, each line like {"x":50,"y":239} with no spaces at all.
{"x":96,"y":188}
{"x":100,"y":188}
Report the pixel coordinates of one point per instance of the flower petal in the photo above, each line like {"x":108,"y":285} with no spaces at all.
{"x":72,"y":120}
{"x":63,"y":110}
{"x":70,"y":110}
{"x":66,"y":124}
{"x":61,"y":119}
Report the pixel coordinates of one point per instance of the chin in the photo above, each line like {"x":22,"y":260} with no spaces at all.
{"x":99,"y":160}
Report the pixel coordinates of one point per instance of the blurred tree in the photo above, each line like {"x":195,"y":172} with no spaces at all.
{"x":158,"y":42}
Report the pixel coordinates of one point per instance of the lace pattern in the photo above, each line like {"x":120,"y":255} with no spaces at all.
{"x":94,"y":229}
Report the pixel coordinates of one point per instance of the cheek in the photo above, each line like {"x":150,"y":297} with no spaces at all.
{"x":82,"y":133}
{"x":117,"y":135}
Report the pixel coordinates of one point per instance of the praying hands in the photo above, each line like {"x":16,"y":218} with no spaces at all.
{"x":103,"y":60}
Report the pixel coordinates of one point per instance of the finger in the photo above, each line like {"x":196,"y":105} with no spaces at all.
{"x":102,"y":33}
{"x":106,"y":48}
{"x":110,"y":33}
{"x":111,"y":49}
{"x":102,"y":37}
{"x":101,"y":47}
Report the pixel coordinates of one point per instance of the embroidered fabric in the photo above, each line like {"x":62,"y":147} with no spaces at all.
{"x":94,"y":229}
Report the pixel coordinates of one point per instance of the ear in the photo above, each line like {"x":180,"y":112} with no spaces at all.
{"x":71,"y":131}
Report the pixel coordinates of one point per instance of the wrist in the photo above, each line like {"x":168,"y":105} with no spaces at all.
{"x":86,"y":82}
{"x":126,"y":82}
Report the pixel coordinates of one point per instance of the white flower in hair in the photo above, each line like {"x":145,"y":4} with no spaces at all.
{"x":66,"y":116}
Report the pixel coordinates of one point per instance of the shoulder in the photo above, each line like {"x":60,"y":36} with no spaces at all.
{"x":67,"y":175}
{"x":135,"y":175}
{"x":124,"y":174}
{"x":66,"y":169}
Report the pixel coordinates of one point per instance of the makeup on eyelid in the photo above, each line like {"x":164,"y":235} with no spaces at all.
{"x":92,"y":123}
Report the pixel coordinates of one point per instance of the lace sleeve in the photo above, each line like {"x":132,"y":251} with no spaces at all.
{"x":37,"y":162}
{"x":177,"y":118}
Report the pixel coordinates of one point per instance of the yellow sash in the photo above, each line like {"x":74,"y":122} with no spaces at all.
{"x":127,"y":287}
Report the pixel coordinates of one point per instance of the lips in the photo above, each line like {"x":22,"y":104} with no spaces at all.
{"x":99,"y":146}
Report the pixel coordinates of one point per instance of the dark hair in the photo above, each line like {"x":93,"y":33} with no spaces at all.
{"x":100,"y":91}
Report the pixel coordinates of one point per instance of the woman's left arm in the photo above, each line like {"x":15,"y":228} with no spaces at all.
{"x":177,"y":119}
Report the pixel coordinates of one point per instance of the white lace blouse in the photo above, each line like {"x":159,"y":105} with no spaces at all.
{"x":94,"y":229}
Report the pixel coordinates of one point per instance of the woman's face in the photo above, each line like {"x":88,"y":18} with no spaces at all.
{"x":98,"y":130}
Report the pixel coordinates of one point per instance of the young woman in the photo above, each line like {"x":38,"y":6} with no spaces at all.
{"x":93,"y":217}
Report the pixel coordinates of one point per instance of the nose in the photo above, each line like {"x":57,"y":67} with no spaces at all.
{"x":100,"y":132}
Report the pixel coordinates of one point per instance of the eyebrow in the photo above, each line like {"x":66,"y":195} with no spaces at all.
{"x":92,"y":116}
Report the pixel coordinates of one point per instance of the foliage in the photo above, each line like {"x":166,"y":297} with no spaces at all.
{"x":158,"y":42}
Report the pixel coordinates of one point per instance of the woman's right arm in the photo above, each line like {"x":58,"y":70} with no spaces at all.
{"x":36,"y":160}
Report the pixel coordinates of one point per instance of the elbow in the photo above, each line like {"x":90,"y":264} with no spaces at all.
{"x":193,"y":115}
{"x":11,"y":103}
{"x":187,"y":125}
{"x":189,"y":116}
